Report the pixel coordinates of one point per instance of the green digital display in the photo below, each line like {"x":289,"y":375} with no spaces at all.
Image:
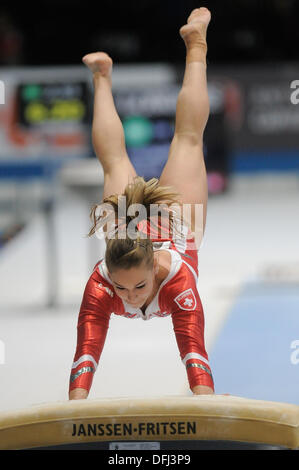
{"x":138,"y":130}
{"x":42,"y":103}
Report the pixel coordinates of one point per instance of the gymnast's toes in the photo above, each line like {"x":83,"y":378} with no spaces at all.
{"x":98,"y":62}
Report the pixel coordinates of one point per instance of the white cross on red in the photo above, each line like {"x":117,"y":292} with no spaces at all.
{"x":188,"y":302}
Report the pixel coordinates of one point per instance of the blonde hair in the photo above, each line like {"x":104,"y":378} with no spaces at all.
{"x":127,"y":252}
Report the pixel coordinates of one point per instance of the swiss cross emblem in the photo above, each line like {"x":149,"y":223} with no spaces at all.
{"x":186,"y":300}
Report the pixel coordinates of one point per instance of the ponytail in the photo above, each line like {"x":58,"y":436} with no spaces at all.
{"x":130,"y":249}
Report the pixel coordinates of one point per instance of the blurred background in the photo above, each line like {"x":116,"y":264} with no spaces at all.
{"x":50,"y":178}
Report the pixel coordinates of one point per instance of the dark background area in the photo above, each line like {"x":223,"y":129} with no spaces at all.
{"x":60,"y":32}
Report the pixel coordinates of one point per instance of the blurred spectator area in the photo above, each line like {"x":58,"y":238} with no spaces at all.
{"x":11,"y":39}
{"x":61,"y":32}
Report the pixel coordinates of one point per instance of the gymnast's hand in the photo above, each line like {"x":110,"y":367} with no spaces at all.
{"x":78,"y":394}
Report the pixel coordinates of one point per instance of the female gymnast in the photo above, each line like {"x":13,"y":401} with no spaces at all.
{"x":149,"y":276}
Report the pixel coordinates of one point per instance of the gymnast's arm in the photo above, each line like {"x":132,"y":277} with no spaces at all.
{"x":189,"y":332}
{"x":78,"y":394}
{"x":92,"y":327}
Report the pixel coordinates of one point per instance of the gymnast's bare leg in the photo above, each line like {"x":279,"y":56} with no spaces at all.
{"x":185,"y":168}
{"x":107,"y":131}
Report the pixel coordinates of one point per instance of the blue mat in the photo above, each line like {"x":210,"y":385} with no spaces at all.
{"x":252,"y":355}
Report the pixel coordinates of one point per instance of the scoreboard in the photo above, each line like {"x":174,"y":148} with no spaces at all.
{"x":40,"y":105}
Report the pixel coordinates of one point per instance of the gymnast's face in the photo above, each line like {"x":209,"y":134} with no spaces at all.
{"x":135,"y":285}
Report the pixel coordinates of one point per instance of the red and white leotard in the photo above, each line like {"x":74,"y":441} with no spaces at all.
{"x":177,"y":296}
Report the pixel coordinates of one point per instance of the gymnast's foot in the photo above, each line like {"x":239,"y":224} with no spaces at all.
{"x":99,"y":63}
{"x":194,"y":34}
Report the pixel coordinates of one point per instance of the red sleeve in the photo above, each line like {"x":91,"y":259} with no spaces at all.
{"x":189,"y":335}
{"x":92,"y":327}
{"x":188,"y":325}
